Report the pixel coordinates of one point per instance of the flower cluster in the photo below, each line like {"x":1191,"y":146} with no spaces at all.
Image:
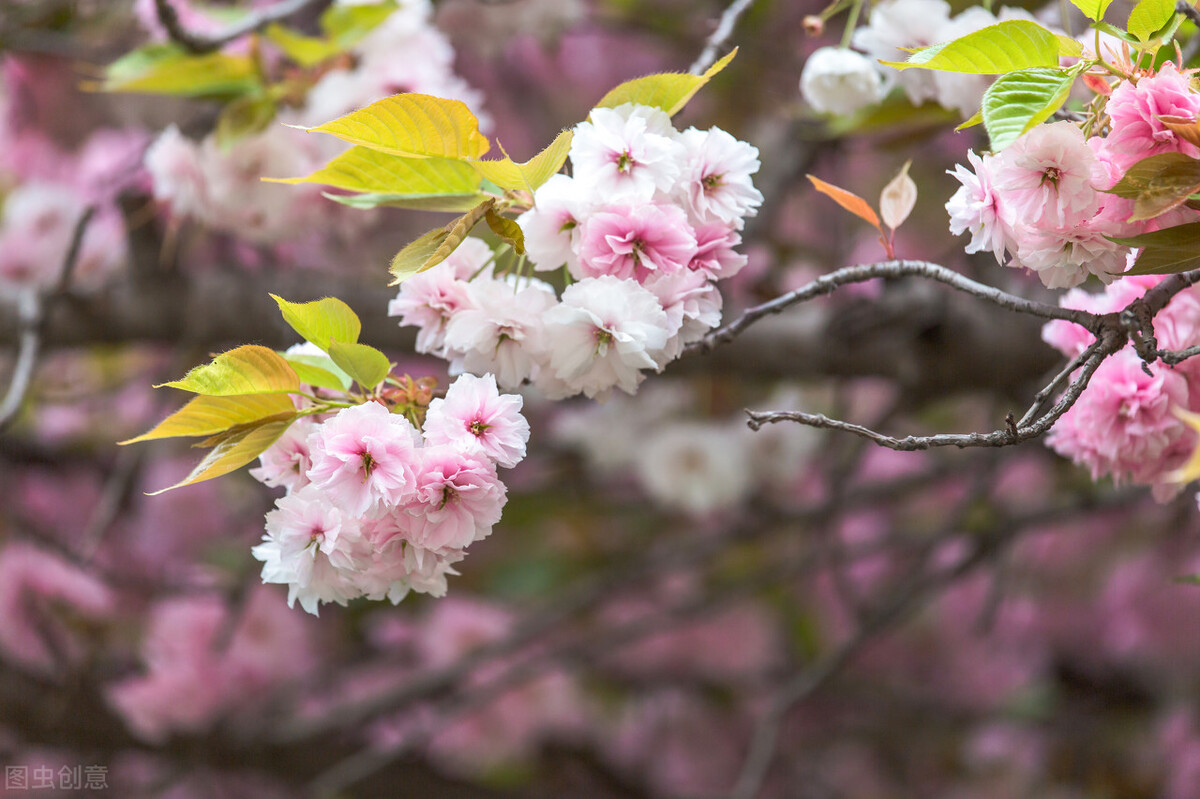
{"x":375,"y":507}
{"x":1042,"y":203}
{"x":219,"y":184}
{"x":1123,"y":425}
{"x":841,"y":81}
{"x":646,"y":224}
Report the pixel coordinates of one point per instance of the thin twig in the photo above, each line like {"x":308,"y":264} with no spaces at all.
{"x":827,"y":284}
{"x":719,"y":36}
{"x":1009,"y":435}
{"x":1040,"y":398}
{"x":33,"y":308}
{"x":206,"y":43}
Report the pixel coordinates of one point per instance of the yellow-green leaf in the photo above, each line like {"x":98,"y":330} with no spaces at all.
{"x":995,"y":50}
{"x":366,"y":365}
{"x":307,"y":51}
{"x":168,"y":69}
{"x":1092,"y":9}
{"x":368,"y":171}
{"x":322,"y":320}
{"x":1148,"y":16}
{"x":669,"y":91}
{"x":413,"y":125}
{"x":976,"y":119}
{"x":243,"y":117}
{"x":436,"y":246}
{"x":249,"y":369}
{"x":508,"y":230}
{"x":1158,"y":184}
{"x":1019,"y":101}
{"x":318,"y":370}
{"x":1165,"y":252}
{"x":507,"y":174}
{"x":450,"y":203}
{"x":347,"y":24}
{"x":204,"y":416}
{"x":1068,"y":47}
{"x":235,"y":448}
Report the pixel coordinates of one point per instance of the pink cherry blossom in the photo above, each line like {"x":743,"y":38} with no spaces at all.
{"x":500,"y":328}
{"x":315,"y":548}
{"x":628,"y":152}
{"x":976,"y":208}
{"x":603,"y":332}
{"x":1122,"y":425}
{"x":429,"y":301}
{"x":364,"y":455}
{"x":635,"y":241}
{"x":551,"y":227}
{"x":1046,"y":175}
{"x":286,"y":462}
{"x":716,"y":183}
{"x":1137,"y":132}
{"x":42,"y":599}
{"x":458,"y":498}
{"x":476,"y":417}
{"x":716,"y":254}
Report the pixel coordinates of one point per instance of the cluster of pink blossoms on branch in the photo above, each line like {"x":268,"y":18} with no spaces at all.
{"x":1123,"y":425}
{"x":377,"y":508}
{"x":648,"y":221}
{"x":1043,"y":203}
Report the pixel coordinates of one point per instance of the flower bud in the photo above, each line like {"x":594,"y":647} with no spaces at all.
{"x":840,"y":81}
{"x":813,"y":25}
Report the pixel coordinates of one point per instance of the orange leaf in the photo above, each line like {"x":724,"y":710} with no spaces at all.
{"x":851,"y":202}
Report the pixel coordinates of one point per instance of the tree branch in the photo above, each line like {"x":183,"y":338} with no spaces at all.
{"x":31,"y":316}
{"x":1011,"y":434}
{"x":827,"y":284}
{"x":720,"y":35}
{"x":206,"y":43}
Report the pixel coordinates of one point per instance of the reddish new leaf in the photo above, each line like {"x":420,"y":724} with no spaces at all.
{"x":848,"y":200}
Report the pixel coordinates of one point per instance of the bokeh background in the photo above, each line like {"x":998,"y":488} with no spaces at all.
{"x":673,"y":605}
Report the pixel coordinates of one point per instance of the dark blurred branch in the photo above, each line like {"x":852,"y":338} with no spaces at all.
{"x":32,"y":311}
{"x":720,"y":35}
{"x":206,"y":43}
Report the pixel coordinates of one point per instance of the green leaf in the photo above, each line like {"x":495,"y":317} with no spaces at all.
{"x":1148,"y":16}
{"x":243,"y":117}
{"x":1018,"y":101}
{"x":204,"y":416}
{"x":412,"y":125}
{"x":436,"y":246}
{"x":669,"y":91}
{"x":1166,"y":251}
{"x":318,"y":370}
{"x":307,"y":51}
{"x":1158,"y":184}
{"x":249,"y":369}
{"x":235,"y":448}
{"x":508,"y":230}
{"x":169,"y":69}
{"x":366,"y":365}
{"x":1068,"y":47}
{"x":976,"y":119}
{"x":451,"y":203}
{"x":368,"y":171}
{"x":347,"y":24}
{"x":507,"y":174}
{"x":995,"y":50}
{"x":321,"y":320}
{"x":1092,"y":9}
